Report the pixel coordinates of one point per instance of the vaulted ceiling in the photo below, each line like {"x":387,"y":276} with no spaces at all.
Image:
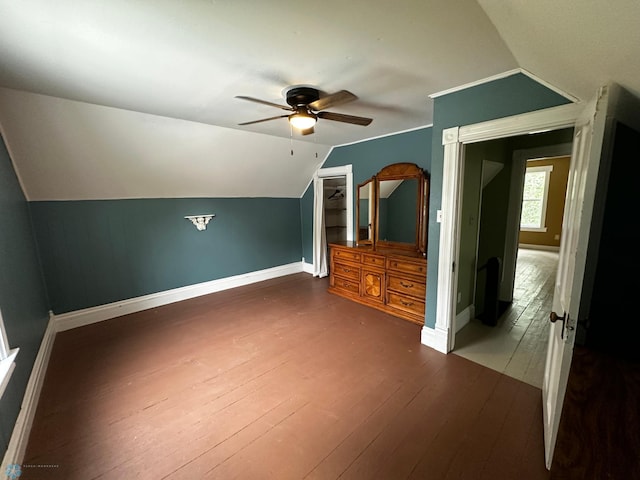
{"x":130,"y":99}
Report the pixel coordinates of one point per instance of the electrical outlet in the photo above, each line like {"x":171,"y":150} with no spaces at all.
{"x":556,"y":237}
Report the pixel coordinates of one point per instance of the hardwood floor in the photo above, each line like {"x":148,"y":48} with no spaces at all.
{"x":279,"y":380}
{"x":517,"y":345}
{"x":599,"y":435}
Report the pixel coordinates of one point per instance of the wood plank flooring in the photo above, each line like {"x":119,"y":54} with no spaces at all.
{"x":517,"y":345}
{"x":599,"y":435}
{"x":276,"y":380}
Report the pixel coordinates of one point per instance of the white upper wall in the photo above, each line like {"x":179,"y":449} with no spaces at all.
{"x":69,"y":150}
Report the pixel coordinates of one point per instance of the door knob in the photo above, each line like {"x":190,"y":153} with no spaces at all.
{"x":553,"y":316}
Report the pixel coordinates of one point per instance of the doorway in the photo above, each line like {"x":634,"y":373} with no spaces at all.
{"x":505,"y":274}
{"x":339,"y":186}
{"x":335,"y":209}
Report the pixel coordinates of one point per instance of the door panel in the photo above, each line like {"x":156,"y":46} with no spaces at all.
{"x":583,"y":175}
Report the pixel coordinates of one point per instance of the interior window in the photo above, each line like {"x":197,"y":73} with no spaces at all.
{"x":534,"y":198}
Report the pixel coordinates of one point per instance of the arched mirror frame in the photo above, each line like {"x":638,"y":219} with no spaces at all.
{"x":398,"y":171}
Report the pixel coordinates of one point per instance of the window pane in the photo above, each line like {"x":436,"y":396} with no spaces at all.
{"x":534,"y":185}
{"x":532,"y":197}
{"x":531,"y":210}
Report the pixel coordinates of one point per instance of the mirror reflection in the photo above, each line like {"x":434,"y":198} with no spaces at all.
{"x":397,"y":210}
{"x":365,"y":208}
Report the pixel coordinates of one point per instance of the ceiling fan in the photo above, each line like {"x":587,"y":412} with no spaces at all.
{"x":308,"y":107}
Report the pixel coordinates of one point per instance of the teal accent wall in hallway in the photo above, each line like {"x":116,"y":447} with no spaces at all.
{"x":22,"y":294}
{"x":103,"y":251}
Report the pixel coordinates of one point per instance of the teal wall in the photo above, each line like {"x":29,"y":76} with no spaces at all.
{"x":22,"y":294}
{"x":102,"y":251}
{"x":367,"y":159}
{"x":512,"y":95}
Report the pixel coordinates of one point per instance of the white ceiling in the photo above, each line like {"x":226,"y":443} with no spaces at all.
{"x":136,"y":98}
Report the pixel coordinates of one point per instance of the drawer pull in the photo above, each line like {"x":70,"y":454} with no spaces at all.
{"x":406,"y":304}
{"x":346,"y":270}
{"x":406,"y":285}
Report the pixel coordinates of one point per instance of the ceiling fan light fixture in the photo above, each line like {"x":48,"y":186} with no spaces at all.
{"x":302,"y":120}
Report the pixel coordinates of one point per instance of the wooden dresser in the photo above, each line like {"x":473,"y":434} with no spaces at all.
{"x":391,"y":280}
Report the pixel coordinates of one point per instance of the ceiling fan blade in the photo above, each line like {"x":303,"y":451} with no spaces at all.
{"x":264,"y":102}
{"x":263,"y":120}
{"x":307,"y":131}
{"x":341,"y":117}
{"x":332,"y":100}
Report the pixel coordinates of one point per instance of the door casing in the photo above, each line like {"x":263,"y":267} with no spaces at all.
{"x":454,"y":139}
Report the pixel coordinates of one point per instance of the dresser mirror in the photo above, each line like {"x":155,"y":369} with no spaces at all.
{"x":392,"y":208}
{"x":365,"y":209}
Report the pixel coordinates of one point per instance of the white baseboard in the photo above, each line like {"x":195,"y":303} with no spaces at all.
{"x":87,"y":316}
{"x":464,"y":317}
{"x":307,"y":267}
{"x":435,"y":338}
{"x":58,"y":323}
{"x":548,"y":248}
{"x":21,"y":430}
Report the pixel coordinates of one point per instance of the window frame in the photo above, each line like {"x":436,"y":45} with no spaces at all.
{"x":547,"y":169}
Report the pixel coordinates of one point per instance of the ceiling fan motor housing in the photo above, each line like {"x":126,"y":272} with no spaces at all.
{"x":302,"y":96}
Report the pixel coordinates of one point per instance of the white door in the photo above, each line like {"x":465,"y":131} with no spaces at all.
{"x":583,"y":173}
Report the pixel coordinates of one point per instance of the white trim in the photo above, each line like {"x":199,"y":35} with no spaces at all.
{"x":448,"y":248}
{"x":435,"y":338}
{"x":307,"y":267}
{"x":326,"y":157}
{"x":87,"y":316}
{"x":342,"y":171}
{"x":550,"y":86}
{"x":464,"y":317}
{"x":453,"y":143}
{"x":546,"y":169}
{"x":506,"y":74}
{"x":13,"y":164}
{"x":384,"y":135}
{"x":553,"y":118}
{"x":4,"y":340}
{"x":22,"y":428}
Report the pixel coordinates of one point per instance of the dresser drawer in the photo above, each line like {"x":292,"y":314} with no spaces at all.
{"x":346,"y":270}
{"x":373,"y":260}
{"x":345,"y":285}
{"x":350,"y":255}
{"x":404,"y":303}
{"x":406,"y":286}
{"x":408,"y":266}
